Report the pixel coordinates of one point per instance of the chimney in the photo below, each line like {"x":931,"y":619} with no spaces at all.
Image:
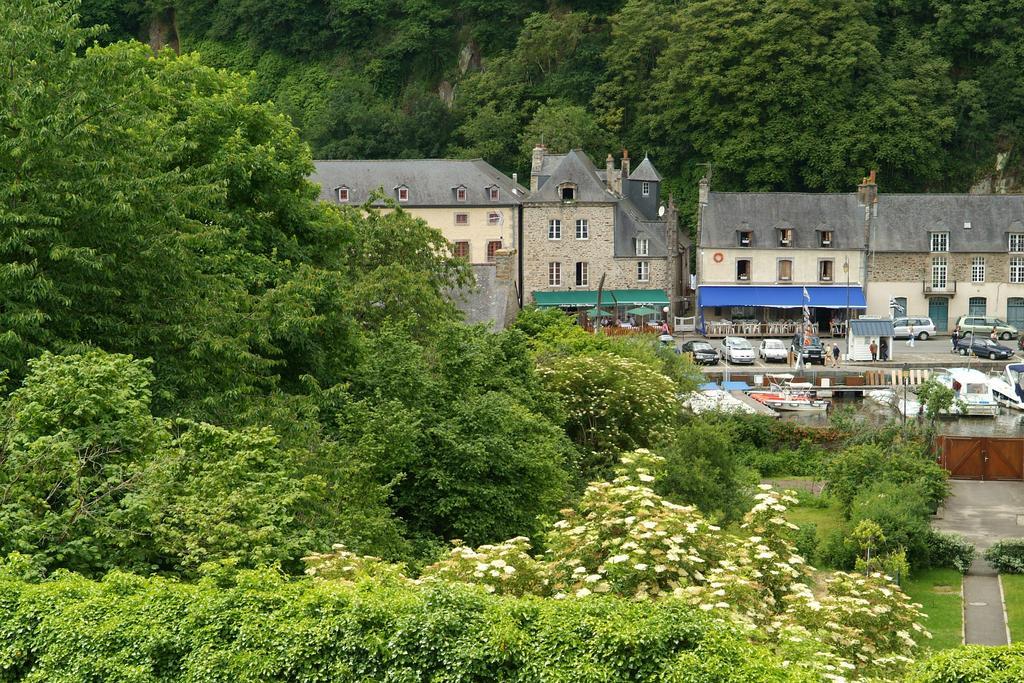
{"x":504,"y":265}
{"x":538,"y":161}
{"x":625,"y":163}
{"x":867,"y":191}
{"x":609,"y":172}
{"x":703,"y":191}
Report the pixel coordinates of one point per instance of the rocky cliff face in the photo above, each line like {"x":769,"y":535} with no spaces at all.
{"x":1004,"y":178}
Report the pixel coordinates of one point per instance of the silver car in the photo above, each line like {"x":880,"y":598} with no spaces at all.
{"x":737,"y":350}
{"x":773,"y":349}
{"x":923,"y":327}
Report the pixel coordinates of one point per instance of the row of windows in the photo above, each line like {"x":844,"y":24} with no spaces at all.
{"x":940,"y":271}
{"x":643,"y":273}
{"x":582,"y":229}
{"x":939,"y":242}
{"x":784,"y":270}
{"x":784,"y":238}
{"x":461,"y":194}
{"x":493,"y":218}
{"x":460,"y":249}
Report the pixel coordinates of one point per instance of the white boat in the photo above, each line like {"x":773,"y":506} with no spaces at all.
{"x":785,"y":396}
{"x":1008,"y":388}
{"x":973,"y":396}
{"x":908,"y":406}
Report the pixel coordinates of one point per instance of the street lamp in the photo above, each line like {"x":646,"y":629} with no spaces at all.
{"x":905,"y":379}
{"x":846,"y":269}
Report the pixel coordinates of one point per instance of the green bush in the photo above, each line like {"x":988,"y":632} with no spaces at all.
{"x":835,"y":552}
{"x":806,"y":460}
{"x":901,"y":510}
{"x":950,"y":550}
{"x":852,"y":470}
{"x":1007,"y":556}
{"x":971,"y":664}
{"x":807,"y":540}
{"x":258,"y":626}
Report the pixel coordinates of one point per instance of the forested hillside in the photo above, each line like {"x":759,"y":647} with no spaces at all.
{"x":776,"y":94}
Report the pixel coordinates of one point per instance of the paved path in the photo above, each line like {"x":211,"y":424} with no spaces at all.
{"x":983,"y":512}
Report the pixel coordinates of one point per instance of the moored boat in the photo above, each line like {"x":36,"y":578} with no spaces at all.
{"x":786,"y":398}
{"x":1008,"y":388}
{"x":973,"y":395}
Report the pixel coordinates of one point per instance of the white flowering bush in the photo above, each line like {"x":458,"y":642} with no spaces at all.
{"x":504,"y":568}
{"x":341,"y":564}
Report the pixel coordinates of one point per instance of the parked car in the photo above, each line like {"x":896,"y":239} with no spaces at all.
{"x":923,"y":327}
{"x":982,"y":325}
{"x":773,"y":349}
{"x":737,"y":350}
{"x":702,"y":352}
{"x":811,"y":353}
{"x":982,"y":347}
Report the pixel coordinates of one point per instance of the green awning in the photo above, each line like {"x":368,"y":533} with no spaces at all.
{"x":587,"y":298}
{"x":595,"y":313}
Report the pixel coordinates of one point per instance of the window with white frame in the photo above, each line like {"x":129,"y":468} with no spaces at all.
{"x":939,"y":272}
{"x":554,"y":274}
{"x":582,"y":229}
{"x":939,"y":242}
{"x":1016,"y":241}
{"x":342,"y":194}
{"x":493,"y":217}
{"x":978,"y":269}
{"x":462,"y":219}
{"x":554,"y":229}
{"x":493,"y":193}
{"x":582,"y":274}
{"x":460,"y":194}
{"x":643,"y":246}
{"x":645,"y":189}
{"x":643,"y":271}
{"x":1017,"y":270}
{"x":403,"y":194}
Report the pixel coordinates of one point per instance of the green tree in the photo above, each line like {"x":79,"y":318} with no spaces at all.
{"x":563,"y":126}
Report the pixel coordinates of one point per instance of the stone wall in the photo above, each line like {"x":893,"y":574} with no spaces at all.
{"x":917,"y":267}
{"x":598,"y":251}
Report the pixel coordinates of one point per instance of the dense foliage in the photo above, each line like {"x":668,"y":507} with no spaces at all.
{"x":785,"y":95}
{"x":1007,"y":555}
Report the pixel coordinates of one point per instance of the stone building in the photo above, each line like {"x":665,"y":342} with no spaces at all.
{"x":948,"y":255}
{"x":935,"y":255}
{"x":475,"y":206}
{"x":581,"y":224}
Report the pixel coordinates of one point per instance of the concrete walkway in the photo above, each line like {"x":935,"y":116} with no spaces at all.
{"x":983,"y":512}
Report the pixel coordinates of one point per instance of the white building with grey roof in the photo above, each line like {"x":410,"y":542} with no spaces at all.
{"x":475,"y":206}
{"x":581,"y":224}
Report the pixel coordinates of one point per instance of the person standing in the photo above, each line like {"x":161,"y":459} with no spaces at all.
{"x":835,"y":355}
{"x":873,"y":348}
{"x":955,"y":337}
{"x":910,"y":339}
{"x":995,"y":335}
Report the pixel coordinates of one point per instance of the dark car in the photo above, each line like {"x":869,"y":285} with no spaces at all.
{"x":983,"y":348}
{"x":703,"y":352}
{"x":812,"y":352}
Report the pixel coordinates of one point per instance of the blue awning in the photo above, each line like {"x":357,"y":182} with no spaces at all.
{"x":779,"y":296}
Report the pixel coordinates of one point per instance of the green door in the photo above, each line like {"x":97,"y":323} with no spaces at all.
{"x":938,"y":311}
{"x":1015,"y":311}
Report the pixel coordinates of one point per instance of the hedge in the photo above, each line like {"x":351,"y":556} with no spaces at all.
{"x":1007,"y":556}
{"x":971,"y":664}
{"x":259,"y":626}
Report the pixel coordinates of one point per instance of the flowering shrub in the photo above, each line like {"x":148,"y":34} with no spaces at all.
{"x":950,"y":550}
{"x":506,"y":568}
{"x":344,"y":565}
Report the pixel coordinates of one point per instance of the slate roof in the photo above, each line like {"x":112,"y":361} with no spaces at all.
{"x":630,"y":224}
{"x":646,"y":171}
{"x":905,"y":220}
{"x":871,"y":328}
{"x":574,"y":167}
{"x":763,"y":213}
{"x":431,"y":182}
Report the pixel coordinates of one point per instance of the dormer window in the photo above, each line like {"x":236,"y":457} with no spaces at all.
{"x":1016,"y":242}
{"x":493,"y":193}
{"x":403,"y":194}
{"x":746,"y":238}
{"x":460,"y":194}
{"x":342,"y":194}
{"x":786,"y":237}
{"x":939,"y":242}
{"x":567,"y":192}
{"x":825,"y":239}
{"x":645,"y":189}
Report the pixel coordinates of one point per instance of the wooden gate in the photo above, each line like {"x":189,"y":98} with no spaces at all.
{"x":984,"y":458}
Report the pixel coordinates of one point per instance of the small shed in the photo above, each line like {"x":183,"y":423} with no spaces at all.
{"x":864,"y":331}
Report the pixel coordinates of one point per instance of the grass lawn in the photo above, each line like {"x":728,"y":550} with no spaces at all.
{"x":938,"y":590}
{"x":1013,"y":593}
{"x":826,"y":518}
